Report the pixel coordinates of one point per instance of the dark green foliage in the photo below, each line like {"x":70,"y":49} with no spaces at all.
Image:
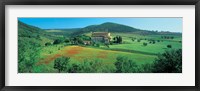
{"x":138,"y":40}
{"x":97,"y":45}
{"x":74,"y":68}
{"x":57,"y":41}
{"x":120,"y":39}
{"x":117,"y":39}
{"x":169,"y":62}
{"x":144,"y":44}
{"x":79,"y":39}
{"x":146,"y":68}
{"x":169,"y":46}
{"x":125,"y":65}
{"x":29,"y":45}
{"x":66,"y":40}
{"x":133,"y":39}
{"x":153,"y":42}
{"x":84,"y":37}
{"x":27,"y":54}
{"x":61,"y":63}
{"x":167,"y":37}
{"x":91,"y":67}
{"x":47,"y":44}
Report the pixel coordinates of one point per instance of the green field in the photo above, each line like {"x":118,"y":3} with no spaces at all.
{"x":130,"y":49}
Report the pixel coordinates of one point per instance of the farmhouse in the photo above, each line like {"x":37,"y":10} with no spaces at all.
{"x":103,"y":37}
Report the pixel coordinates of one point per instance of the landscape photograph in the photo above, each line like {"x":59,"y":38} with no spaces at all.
{"x":99,"y":45}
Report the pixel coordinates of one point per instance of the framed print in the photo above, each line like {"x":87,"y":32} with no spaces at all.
{"x":101,"y":45}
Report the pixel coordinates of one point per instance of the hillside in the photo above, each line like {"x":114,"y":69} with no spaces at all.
{"x":64,"y":32}
{"x":104,"y":27}
{"x":32,"y":34}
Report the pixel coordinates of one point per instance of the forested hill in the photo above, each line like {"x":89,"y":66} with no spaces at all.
{"x":108,"y":26}
{"x":32,"y":34}
{"x":25,"y":30}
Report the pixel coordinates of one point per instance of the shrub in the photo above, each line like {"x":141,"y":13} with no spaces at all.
{"x":125,"y":65}
{"x":138,"y":40}
{"x":97,"y":45}
{"x":61,"y":63}
{"x":169,"y":46}
{"x":74,"y":68}
{"x":95,"y":66}
{"x":144,"y":44}
{"x":47,"y":44}
{"x":66,"y":40}
{"x":57,"y":41}
{"x":146,"y":68}
{"x":169,"y":62}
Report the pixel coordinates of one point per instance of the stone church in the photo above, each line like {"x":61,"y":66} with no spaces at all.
{"x":103,"y":37}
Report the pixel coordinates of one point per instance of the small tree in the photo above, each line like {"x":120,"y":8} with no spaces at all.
{"x":75,"y":68}
{"x":169,"y":46}
{"x":66,"y":40}
{"x":153,"y":42}
{"x":61,"y":63}
{"x":47,"y":44}
{"x":57,"y":41}
{"x":144,"y":44}
{"x":169,"y":62}
{"x":125,"y":65}
{"x":97,"y":45}
{"x":120,"y":39}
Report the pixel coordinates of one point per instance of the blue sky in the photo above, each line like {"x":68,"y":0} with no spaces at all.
{"x":160,"y":24}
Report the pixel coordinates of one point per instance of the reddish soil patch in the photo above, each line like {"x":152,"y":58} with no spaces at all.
{"x":48,"y":59}
{"x":71,"y":52}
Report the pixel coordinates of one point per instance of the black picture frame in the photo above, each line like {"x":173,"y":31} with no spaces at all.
{"x":99,"y":2}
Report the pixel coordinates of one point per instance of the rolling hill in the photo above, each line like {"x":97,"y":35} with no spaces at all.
{"x":104,"y":27}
